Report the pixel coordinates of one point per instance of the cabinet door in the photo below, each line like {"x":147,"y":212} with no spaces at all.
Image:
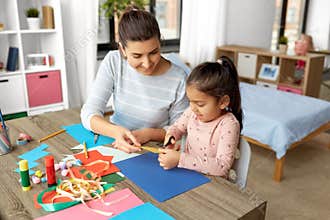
{"x":44,"y":88}
{"x":12,"y":99}
{"x":246,"y":65}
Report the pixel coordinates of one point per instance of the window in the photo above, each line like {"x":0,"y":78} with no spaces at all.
{"x":168,"y":15}
{"x":290,"y":20}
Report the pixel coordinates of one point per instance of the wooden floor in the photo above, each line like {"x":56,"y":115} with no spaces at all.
{"x":305,"y":184}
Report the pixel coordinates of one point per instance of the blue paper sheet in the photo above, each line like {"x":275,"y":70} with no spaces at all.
{"x":143,"y":212}
{"x":33,"y":155}
{"x":161,"y":184}
{"x":80,"y":134}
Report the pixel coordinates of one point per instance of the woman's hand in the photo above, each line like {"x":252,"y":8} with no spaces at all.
{"x":168,"y":158}
{"x":126,"y":141}
{"x":142,"y":135}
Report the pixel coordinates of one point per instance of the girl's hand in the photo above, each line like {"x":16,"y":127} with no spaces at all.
{"x":169,"y":141}
{"x":168,"y":158}
{"x":123,"y":139}
{"x":142,"y":135}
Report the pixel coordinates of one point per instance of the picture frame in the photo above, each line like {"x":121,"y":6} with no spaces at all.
{"x":269,"y":72}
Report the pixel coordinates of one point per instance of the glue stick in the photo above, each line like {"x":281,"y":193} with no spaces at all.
{"x":25,"y":177}
{"x":50,"y":171}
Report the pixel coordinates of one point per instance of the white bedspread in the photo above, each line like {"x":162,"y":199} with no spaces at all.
{"x":278,"y":118}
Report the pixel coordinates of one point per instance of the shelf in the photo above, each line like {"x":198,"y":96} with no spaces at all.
{"x":28,"y":71}
{"x":38,"y":31}
{"x":248,"y":68}
{"x":8,"y":32}
{"x":41,"y":109}
{"x":292,"y":85}
{"x":11,"y":73}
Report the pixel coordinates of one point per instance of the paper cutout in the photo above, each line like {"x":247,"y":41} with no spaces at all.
{"x":161,"y":184}
{"x":47,"y":198}
{"x":144,"y":211}
{"x":33,"y":155}
{"x":151,"y":149}
{"x":93,"y":155}
{"x":118,"y":155}
{"x":80,"y":134}
{"x":112,"y":178}
{"x":125,"y":198}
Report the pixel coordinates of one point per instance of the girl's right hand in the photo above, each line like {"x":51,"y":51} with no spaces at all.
{"x":169,"y":141}
{"x":123,"y":139}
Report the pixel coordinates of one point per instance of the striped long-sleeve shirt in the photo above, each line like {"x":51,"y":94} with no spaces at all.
{"x":140,"y":101}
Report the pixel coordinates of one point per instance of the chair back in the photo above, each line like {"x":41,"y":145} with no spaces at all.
{"x":241,"y":165}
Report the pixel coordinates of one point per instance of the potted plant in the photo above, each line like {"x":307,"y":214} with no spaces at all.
{"x":114,"y":8}
{"x":283,"y":44}
{"x":33,"y":20}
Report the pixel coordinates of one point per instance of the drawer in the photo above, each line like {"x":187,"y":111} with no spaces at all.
{"x":267,"y":85}
{"x":12,"y":98}
{"x":44,"y":88}
{"x":289,"y":89}
{"x":246,"y":65}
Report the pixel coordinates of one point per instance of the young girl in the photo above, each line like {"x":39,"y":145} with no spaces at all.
{"x":212,"y":122}
{"x":148,"y":90}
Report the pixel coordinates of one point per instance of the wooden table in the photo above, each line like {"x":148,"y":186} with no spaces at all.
{"x":218,"y":199}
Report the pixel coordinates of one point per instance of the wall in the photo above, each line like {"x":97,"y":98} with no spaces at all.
{"x":250,"y":22}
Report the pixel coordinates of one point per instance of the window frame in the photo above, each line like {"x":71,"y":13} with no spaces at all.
{"x":171,"y":45}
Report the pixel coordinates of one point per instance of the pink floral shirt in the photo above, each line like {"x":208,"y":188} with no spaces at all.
{"x":210,"y":147}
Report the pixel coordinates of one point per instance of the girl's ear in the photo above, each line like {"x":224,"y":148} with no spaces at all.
{"x":122,"y":50}
{"x":224,"y":102}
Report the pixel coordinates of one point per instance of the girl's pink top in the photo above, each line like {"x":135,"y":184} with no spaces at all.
{"x":210,"y":147}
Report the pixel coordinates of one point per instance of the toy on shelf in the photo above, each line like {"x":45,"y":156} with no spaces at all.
{"x":302,"y":46}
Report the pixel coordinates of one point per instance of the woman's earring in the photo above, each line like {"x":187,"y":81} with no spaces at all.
{"x":228,"y":109}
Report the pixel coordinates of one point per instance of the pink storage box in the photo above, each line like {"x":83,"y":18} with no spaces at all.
{"x":289,"y":89}
{"x":44,"y":88}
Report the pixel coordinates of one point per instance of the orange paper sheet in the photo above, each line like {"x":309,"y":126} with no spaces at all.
{"x":94,"y":155}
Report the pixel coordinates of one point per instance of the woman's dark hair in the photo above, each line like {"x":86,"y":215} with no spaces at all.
{"x":137,"y":25}
{"x":218,"y":79}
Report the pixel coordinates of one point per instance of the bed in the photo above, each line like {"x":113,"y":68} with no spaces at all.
{"x":280,"y":121}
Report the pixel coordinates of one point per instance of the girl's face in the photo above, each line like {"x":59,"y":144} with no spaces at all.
{"x":207,"y":108}
{"x":144,"y":56}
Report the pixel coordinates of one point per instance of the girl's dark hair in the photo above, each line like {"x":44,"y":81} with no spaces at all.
{"x":218,"y":79}
{"x":137,"y":25}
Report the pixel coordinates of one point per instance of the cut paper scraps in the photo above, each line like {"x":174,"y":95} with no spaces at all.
{"x":93,"y":163}
{"x":33,"y":155}
{"x":161,"y":184}
{"x":80,"y":134}
{"x":118,"y":155}
{"x":112,"y":178}
{"x":120,"y":201}
{"x":143,"y":212}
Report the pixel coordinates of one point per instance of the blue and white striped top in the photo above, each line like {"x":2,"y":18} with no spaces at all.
{"x":140,"y":101}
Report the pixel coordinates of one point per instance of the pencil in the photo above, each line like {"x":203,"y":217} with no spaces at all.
{"x":51,"y":135}
{"x":85,"y":150}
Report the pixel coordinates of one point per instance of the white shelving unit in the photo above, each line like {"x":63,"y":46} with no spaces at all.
{"x":32,"y":90}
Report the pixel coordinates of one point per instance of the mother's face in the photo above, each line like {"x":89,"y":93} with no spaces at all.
{"x":144,"y":56}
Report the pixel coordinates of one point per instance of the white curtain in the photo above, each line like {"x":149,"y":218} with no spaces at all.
{"x":203,"y":28}
{"x":80,"y":26}
{"x":318,"y":25}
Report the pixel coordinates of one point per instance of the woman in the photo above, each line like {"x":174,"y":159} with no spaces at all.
{"x":148,"y":90}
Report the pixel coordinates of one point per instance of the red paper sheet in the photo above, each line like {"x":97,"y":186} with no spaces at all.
{"x":94,"y":155}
